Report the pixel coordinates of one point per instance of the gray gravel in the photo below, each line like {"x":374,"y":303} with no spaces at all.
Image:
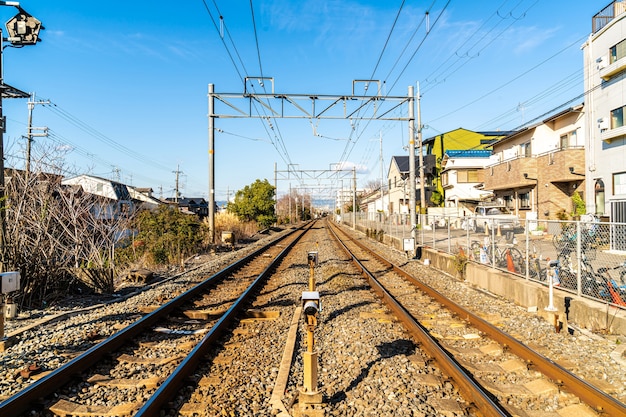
{"x":368,"y":365}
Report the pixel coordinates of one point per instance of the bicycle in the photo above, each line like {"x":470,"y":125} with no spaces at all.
{"x":567,"y":239}
{"x":610,"y":289}
{"x":505,"y":256}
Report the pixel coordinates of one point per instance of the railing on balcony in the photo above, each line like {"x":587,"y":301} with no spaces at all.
{"x":606,"y":15}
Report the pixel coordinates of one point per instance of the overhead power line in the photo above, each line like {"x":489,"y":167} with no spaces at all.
{"x":101,"y":137}
{"x":501,"y":86}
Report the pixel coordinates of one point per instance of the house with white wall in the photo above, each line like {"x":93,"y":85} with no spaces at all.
{"x":605,"y":100}
{"x":115,"y":199}
{"x":462,"y":178}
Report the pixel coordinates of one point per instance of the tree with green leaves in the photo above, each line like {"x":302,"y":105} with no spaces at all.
{"x":255,"y":202}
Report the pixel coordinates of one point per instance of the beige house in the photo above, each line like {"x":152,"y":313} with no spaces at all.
{"x":536,"y":171}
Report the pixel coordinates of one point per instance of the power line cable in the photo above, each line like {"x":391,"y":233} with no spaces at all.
{"x":64,"y":114}
{"x":510,"y":81}
{"x":387,"y":40}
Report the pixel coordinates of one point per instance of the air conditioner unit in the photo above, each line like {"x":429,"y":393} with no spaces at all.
{"x":601,"y":63}
{"x":603,"y":123}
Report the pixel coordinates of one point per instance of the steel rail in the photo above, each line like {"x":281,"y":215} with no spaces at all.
{"x":590,"y":395}
{"x":476,"y":395}
{"x":171,"y":386}
{"x":21,"y":401}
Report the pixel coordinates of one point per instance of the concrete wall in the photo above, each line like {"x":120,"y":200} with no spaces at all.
{"x":579,"y":311}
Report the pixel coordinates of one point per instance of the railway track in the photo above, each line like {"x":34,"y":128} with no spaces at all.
{"x":369,"y":363}
{"x":475,"y":354}
{"x":154,"y":355}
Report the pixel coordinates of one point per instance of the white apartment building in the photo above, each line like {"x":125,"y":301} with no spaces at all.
{"x":605,"y":104}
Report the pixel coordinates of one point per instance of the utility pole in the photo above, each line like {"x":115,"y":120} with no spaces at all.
{"x":116,"y":173}
{"x":354,"y":199}
{"x":382,"y":194}
{"x":275,"y":193}
{"x":211,"y":163}
{"x":44,"y":130}
{"x":412,"y":136}
{"x":176,"y":190}
{"x":421,"y":154}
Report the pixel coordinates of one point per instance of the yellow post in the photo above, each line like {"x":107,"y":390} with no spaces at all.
{"x":310,"y":371}
{"x":309,"y":394}
{"x":312,"y":278}
{"x":310,"y":358}
{"x":499,"y":233}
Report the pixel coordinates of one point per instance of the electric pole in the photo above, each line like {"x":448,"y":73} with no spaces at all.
{"x":382,"y":194}
{"x":44,"y":130}
{"x":412,"y":135}
{"x":421,"y":155}
{"x":176,"y":190}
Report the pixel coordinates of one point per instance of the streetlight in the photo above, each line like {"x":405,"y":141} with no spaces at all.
{"x":23,"y":29}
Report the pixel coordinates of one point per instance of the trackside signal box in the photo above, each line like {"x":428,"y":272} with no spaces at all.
{"x":9,"y":282}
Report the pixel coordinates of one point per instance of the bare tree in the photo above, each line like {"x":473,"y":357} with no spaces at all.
{"x":57,"y":236}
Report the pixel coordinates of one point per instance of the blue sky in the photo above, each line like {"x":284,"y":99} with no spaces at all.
{"x":127,"y":81}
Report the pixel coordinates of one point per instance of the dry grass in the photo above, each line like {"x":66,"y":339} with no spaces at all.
{"x":229,"y":222}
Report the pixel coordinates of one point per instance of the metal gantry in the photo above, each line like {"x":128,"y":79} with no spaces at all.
{"x":305,"y":106}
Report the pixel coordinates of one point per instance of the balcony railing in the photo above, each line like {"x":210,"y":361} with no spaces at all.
{"x":606,"y":15}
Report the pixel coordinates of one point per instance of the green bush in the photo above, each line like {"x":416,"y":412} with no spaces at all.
{"x":162,"y":236}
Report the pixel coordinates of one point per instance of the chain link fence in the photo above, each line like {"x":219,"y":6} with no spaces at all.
{"x":585,"y":257}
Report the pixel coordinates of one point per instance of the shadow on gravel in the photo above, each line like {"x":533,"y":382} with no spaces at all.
{"x":363,"y":287}
{"x":282,"y":302}
{"x":385,"y":350}
{"x":337,"y":313}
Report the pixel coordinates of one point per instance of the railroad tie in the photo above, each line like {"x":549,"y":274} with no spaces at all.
{"x":68,"y":408}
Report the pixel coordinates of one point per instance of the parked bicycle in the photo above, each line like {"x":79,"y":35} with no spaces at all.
{"x":505,"y":256}
{"x":613,"y":289}
{"x":591,"y":236}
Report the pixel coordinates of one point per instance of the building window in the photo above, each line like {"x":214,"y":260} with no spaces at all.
{"x":470,"y":175}
{"x":525,"y":151}
{"x":617,"y":52}
{"x":599,"y":197}
{"x":524,"y":200}
{"x":444,"y":178}
{"x":619,"y":183}
{"x":617,"y":117}
{"x":509,"y":202}
{"x":568,"y":139}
